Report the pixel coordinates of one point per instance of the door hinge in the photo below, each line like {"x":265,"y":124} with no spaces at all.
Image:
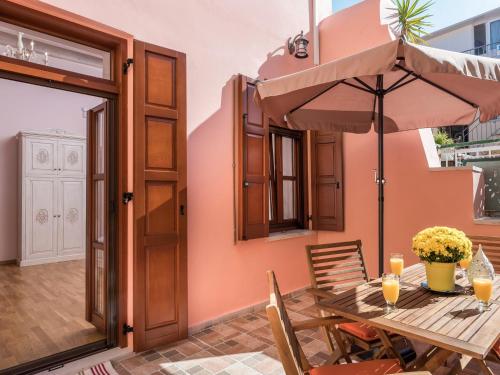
{"x":309,"y":217}
{"x":127,"y":64}
{"x":127,"y":329}
{"x":127,"y":197}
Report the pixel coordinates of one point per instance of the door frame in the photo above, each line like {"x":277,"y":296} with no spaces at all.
{"x":58,"y":22}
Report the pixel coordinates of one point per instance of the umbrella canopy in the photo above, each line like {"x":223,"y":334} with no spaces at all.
{"x":424,"y":87}
{"x":396,"y":86}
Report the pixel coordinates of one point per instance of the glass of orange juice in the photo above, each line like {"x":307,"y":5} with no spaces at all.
{"x":483,"y":289}
{"x":464,"y":265}
{"x":397,"y":264}
{"x":390,"y":289}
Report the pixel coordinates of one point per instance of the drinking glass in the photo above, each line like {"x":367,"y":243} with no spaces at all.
{"x":464,"y":265}
{"x":483,"y":289}
{"x":390,"y":289}
{"x":397,"y":264}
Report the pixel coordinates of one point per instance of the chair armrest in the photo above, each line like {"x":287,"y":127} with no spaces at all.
{"x":319,"y":322}
{"x":320,"y":293}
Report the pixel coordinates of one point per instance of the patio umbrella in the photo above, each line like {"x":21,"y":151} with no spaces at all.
{"x":396,"y":86}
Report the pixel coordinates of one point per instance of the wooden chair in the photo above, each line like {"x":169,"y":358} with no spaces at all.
{"x":491,"y":248}
{"x":333,"y":268}
{"x":292,"y":356}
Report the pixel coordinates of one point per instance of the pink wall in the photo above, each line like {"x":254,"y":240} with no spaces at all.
{"x":228,"y":37}
{"x":30,"y":107}
{"x":415,"y":196}
{"x":220,"y":39}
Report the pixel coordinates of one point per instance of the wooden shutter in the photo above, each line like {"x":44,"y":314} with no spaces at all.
{"x":160,"y":254}
{"x":252,"y":182}
{"x":327,"y":181}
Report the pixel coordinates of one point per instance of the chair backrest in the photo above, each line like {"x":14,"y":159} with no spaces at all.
{"x":491,"y":247}
{"x":284,"y":335}
{"x":335,"y":267}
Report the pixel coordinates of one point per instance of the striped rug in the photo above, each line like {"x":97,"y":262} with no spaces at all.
{"x":104,"y":368}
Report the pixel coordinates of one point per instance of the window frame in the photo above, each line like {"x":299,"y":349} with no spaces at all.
{"x":51,"y":20}
{"x":276,"y":221}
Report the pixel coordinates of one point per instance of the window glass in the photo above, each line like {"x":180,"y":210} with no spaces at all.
{"x":287,"y":150}
{"x":29,"y":45}
{"x":289,"y":200}
{"x":285,"y":158}
{"x":495,"y":34}
{"x":480,"y":39}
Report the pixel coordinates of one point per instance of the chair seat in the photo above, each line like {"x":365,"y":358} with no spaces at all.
{"x":378,"y":367}
{"x":360,"y":330}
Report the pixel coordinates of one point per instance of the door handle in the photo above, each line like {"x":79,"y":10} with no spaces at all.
{"x":181,"y":210}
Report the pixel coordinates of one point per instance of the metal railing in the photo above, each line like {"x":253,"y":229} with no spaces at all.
{"x":456,"y":155}
{"x":489,"y":50}
{"x":480,"y":131}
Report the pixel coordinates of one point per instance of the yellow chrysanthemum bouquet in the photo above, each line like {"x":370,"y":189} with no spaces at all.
{"x":442,"y":244}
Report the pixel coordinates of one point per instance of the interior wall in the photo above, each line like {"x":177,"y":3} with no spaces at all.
{"x":22,"y":107}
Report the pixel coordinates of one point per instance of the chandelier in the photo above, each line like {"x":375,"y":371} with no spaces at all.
{"x":26,"y":54}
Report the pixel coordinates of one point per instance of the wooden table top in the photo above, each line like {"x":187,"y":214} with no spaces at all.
{"x":449,"y":322}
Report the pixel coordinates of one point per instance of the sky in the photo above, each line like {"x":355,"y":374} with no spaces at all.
{"x":444,"y":12}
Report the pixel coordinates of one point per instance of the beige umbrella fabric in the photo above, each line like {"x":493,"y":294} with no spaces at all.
{"x":396,"y":86}
{"x":425,"y":87}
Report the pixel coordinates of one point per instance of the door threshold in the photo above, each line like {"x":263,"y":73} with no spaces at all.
{"x":72,"y":368}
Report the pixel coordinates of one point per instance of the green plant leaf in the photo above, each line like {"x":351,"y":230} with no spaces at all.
{"x":410,"y":18}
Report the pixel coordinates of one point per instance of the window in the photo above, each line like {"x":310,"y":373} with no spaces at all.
{"x":271,"y":173}
{"x":495,"y":35}
{"x":480,"y":39}
{"x":285,"y":179}
{"x":39,"y":48}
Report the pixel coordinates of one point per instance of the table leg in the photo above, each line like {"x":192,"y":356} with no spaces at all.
{"x":460,"y":365}
{"x":388,"y":346}
{"x":483,"y":366}
{"x":435,"y":359}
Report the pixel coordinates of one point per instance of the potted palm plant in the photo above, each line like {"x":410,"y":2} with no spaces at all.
{"x":440,"y":248}
{"x":410,"y":18}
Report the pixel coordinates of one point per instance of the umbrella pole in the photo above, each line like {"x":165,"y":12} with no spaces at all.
{"x":380,"y":179}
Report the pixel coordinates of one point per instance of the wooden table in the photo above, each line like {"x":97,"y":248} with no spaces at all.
{"x":449,"y":323}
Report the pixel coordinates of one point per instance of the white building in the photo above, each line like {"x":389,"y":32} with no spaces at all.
{"x":478,"y":35}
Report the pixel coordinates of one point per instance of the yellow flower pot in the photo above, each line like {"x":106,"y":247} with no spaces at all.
{"x":440,"y":276}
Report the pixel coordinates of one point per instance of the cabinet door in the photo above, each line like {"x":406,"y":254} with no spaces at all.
{"x":71,"y":217}
{"x":72,"y":158}
{"x":40,"y":157}
{"x":41,"y":218}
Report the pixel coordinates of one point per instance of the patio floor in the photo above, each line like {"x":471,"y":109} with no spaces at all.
{"x":243,"y":345}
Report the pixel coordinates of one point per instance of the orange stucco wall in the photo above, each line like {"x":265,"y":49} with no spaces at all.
{"x":415,"y":196}
{"x":225,"y":38}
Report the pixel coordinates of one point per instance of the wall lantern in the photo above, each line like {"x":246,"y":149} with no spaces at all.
{"x":298,"y":46}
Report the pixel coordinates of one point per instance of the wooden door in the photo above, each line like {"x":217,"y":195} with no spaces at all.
{"x":41,"y":218}
{"x":72,"y":155}
{"x":71,"y":216}
{"x":252,"y":132}
{"x":97,"y":215}
{"x":41,"y":157}
{"x":327,"y":181}
{"x":160,"y":223}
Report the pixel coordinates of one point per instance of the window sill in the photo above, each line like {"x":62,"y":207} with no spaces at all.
{"x":487,"y":220}
{"x":285,"y":235}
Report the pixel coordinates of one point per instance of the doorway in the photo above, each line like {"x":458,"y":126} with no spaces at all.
{"x":57,"y":249}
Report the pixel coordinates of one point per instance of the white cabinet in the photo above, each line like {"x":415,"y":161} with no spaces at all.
{"x":52,"y":178}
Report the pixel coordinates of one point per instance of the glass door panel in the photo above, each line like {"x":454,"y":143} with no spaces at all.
{"x":97,"y":248}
